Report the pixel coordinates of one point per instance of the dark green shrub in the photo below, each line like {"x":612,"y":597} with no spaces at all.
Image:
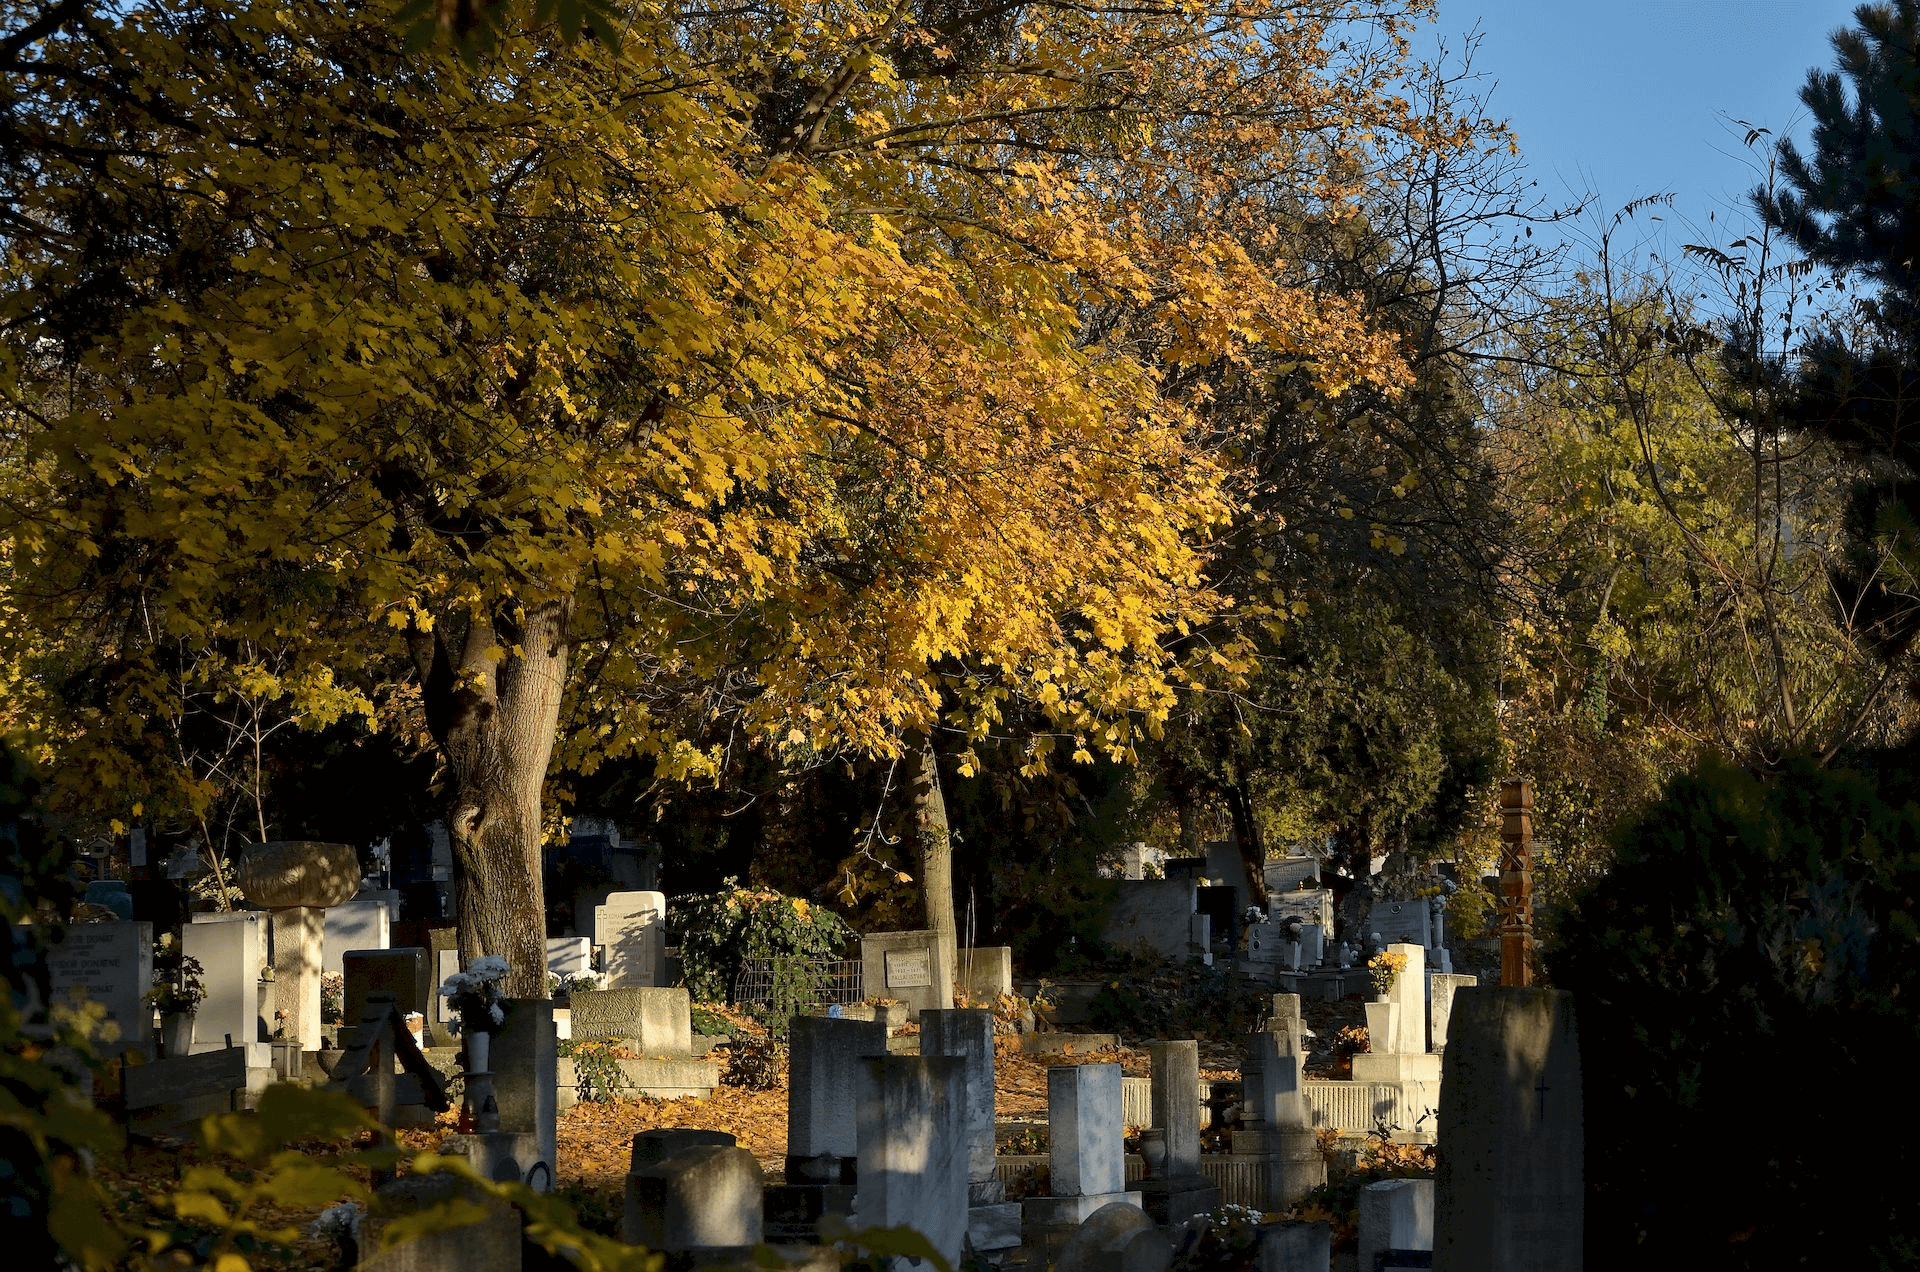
{"x":719,"y":931}
{"x":1743,"y":979}
{"x":755,"y":1064}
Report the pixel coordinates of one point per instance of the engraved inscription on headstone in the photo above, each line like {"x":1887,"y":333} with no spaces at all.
{"x":907,"y":968}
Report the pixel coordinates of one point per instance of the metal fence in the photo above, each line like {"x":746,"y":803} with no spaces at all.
{"x":798,"y":984}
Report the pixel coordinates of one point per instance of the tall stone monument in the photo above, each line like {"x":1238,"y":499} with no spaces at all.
{"x":298,"y":879}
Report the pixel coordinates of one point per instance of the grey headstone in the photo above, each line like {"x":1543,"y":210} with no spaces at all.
{"x":1508,"y":1194}
{"x":569,"y":955}
{"x":525,"y":1069}
{"x":631,"y":929}
{"x":401,"y":972}
{"x":1395,"y":1214}
{"x":354,"y":925}
{"x":824,"y":1073}
{"x":909,"y":966}
{"x":110,"y":964}
{"x":912,"y":1128}
{"x":659,"y":1021}
{"x":707,"y":1197}
{"x":1085,"y":1129}
{"x":1101,"y":1241}
{"x":1176,"y":1107}
{"x":232,"y":954}
{"x":968,"y":1034}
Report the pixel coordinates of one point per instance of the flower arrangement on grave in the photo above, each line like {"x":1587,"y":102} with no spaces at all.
{"x":177,"y":989}
{"x":478,"y":1010}
{"x":1225,"y":1238}
{"x":1385,"y":968}
{"x":474,"y":995}
{"x":333,"y":998}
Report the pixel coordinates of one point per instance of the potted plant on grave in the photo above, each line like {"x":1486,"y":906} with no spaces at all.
{"x":177,"y":992}
{"x":476,"y":1002}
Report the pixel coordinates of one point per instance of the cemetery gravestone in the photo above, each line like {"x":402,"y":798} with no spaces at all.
{"x":703,"y":1199}
{"x":1402,"y":922}
{"x":1157,"y":913}
{"x":569,"y":956}
{"x":908,"y":966}
{"x":524,"y":1061}
{"x":1084,"y":1145}
{"x":354,"y":925}
{"x":1402,"y":1055}
{"x":631,"y":930}
{"x":444,"y":949}
{"x":824,"y":1072}
{"x":110,"y":964}
{"x":1277,"y":1123}
{"x":911,"y":1122}
{"x":658,"y":1021}
{"x":232,"y":954}
{"x":1288,"y":873}
{"x":993,"y":1223}
{"x":1441,"y":987}
{"x":986,"y":971}
{"x":1395,"y":1214}
{"x":1508,"y":1192}
{"x":400,"y":972}
{"x":1177,"y":1191}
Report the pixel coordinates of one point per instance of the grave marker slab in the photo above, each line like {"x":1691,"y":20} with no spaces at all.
{"x":1508,"y":1194}
{"x":569,"y":956}
{"x":657,"y":1020}
{"x":631,"y":930}
{"x":1403,"y":922}
{"x":232,"y":953}
{"x":824,"y":1070}
{"x":110,"y":964}
{"x":354,"y":925}
{"x":1441,"y":987}
{"x":908,"y":966}
{"x":912,"y":1126}
{"x":401,"y":972}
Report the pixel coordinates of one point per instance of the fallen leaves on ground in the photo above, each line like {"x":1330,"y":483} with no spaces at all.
{"x":596,"y":1140}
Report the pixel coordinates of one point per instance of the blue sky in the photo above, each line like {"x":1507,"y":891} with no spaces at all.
{"x":1627,"y":98}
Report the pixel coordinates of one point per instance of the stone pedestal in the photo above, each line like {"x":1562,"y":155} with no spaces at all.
{"x":298,"y":879}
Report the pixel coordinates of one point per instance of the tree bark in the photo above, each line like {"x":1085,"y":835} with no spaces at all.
{"x":1253,"y":847}
{"x":933,"y":843}
{"x":493,"y":705}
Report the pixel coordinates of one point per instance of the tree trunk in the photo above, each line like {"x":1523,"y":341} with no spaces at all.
{"x":494,"y":718}
{"x":933,"y":842}
{"x":1253,"y":847}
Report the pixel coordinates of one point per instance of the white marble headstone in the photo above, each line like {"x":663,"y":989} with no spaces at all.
{"x":631,"y":930}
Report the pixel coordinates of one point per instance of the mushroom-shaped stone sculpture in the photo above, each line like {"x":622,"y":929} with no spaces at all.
{"x":298,"y":879}
{"x":294,"y":873}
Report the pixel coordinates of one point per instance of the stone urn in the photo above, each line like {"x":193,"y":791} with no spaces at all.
{"x":1153,"y":1152}
{"x":298,"y":879}
{"x":299,"y":873}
